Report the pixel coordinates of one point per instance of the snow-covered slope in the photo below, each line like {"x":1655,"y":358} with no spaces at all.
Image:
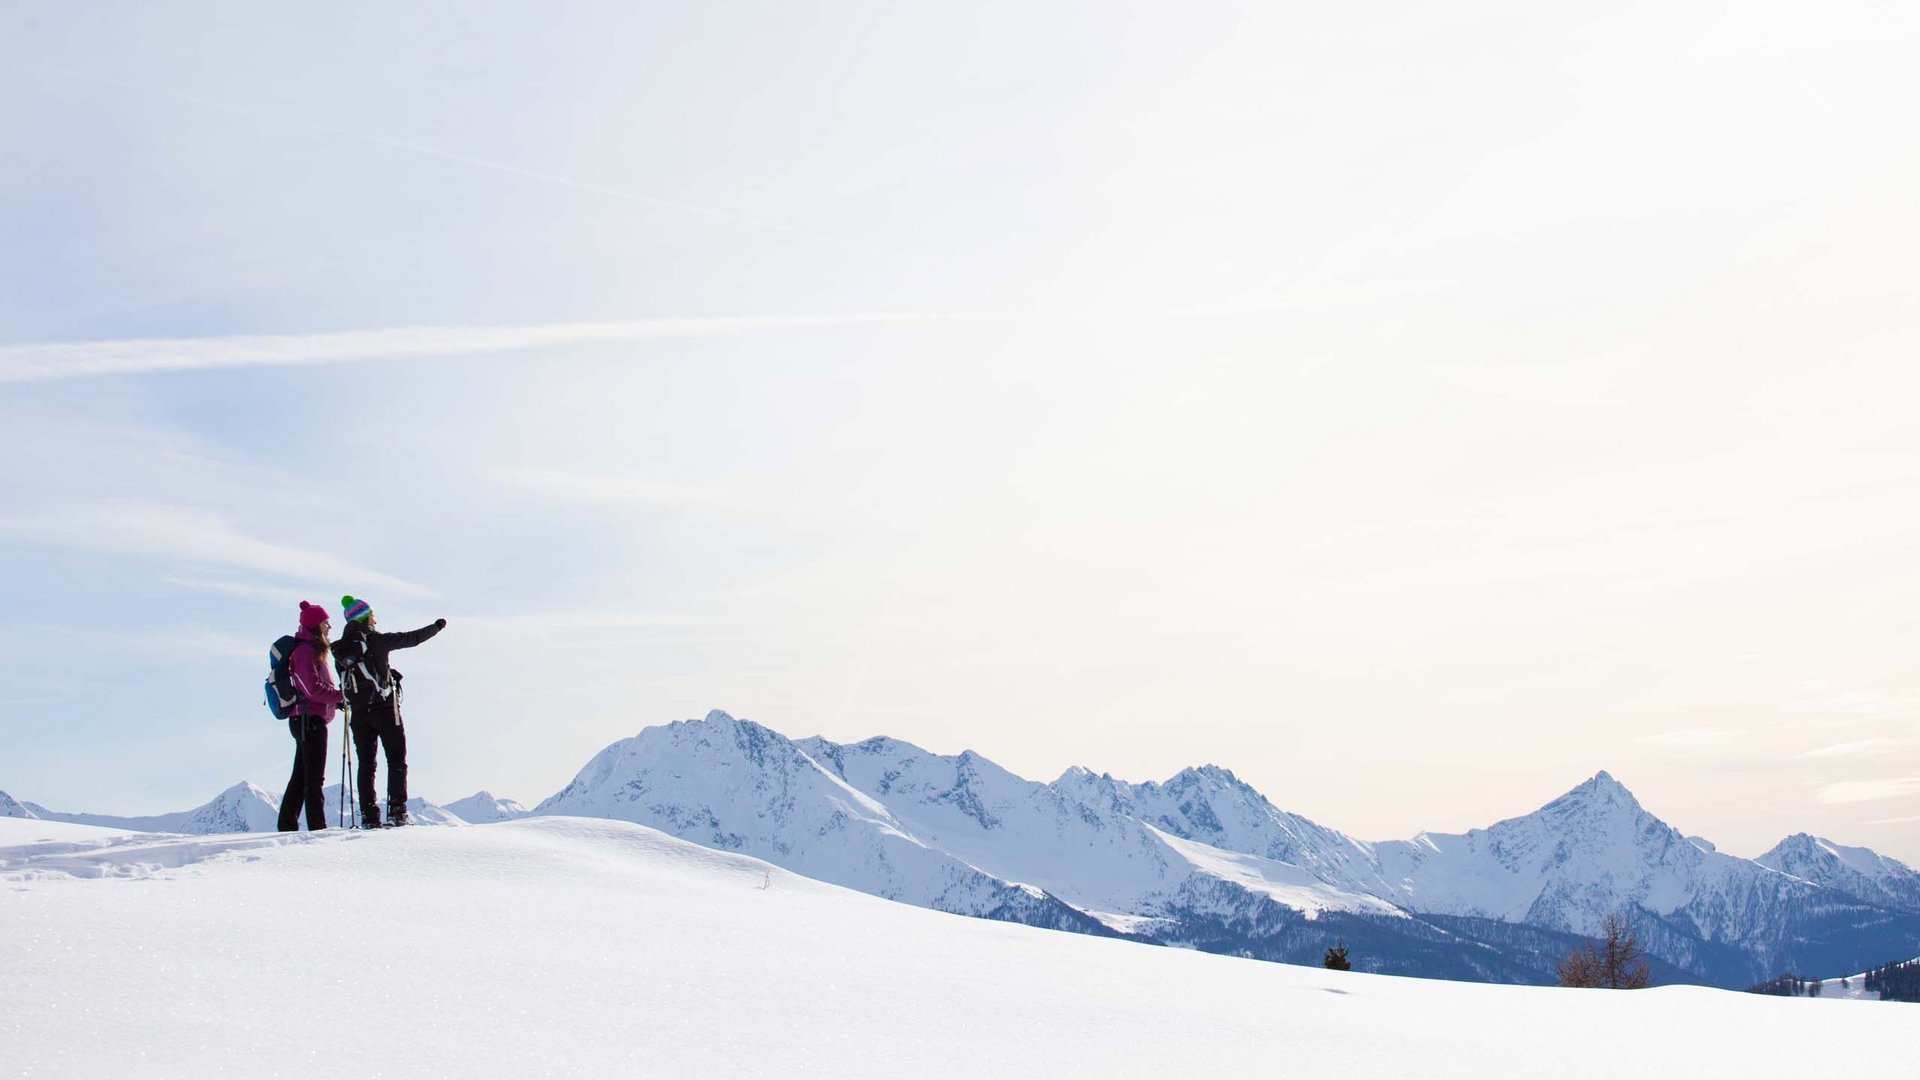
{"x":13,"y":808}
{"x":1217,"y":808}
{"x":483,"y":808}
{"x":241,"y":808}
{"x":1063,"y":838}
{"x":1853,"y":870}
{"x":734,"y":785}
{"x":563,"y":947}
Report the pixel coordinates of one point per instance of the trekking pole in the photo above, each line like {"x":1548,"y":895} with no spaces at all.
{"x":350,"y":795}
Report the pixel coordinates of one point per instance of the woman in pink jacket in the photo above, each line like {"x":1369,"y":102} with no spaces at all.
{"x":318,"y":698}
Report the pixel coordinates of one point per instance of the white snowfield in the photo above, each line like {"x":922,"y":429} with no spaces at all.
{"x":552,"y":947}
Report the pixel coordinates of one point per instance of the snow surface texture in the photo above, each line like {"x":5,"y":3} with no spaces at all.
{"x":568,"y":947}
{"x":1206,"y":860}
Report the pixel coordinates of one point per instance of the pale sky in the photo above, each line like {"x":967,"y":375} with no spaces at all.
{"x":1414,"y":408}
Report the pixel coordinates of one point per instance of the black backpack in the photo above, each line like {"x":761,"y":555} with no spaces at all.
{"x":357,"y":679}
{"x":282,"y":696}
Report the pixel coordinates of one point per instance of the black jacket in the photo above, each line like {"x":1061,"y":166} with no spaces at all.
{"x":361,"y":657}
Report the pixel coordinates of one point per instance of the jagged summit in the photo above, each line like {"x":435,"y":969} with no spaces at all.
{"x":14,"y":808}
{"x":1600,"y":793}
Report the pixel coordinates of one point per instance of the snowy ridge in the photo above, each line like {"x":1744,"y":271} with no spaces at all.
{"x":737,"y":786}
{"x":1205,"y":860}
{"x":1065,"y":839}
{"x":13,"y":808}
{"x":242,"y":808}
{"x":1853,"y":870}
{"x":484,"y":808}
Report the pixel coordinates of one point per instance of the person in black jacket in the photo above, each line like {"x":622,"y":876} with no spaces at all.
{"x":373,"y":701}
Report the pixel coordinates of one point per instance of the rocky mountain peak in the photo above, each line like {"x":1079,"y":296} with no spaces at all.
{"x":1602,"y":794}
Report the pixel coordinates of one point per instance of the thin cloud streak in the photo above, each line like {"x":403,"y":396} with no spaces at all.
{"x":199,"y":643}
{"x":239,"y":590}
{"x":597,"y":620}
{"x":612,"y":490}
{"x":174,"y":533}
{"x":71,"y":360}
{"x":1686,"y":738}
{"x":464,"y":159}
{"x":1858,"y":748}
{"x":1852,"y":791}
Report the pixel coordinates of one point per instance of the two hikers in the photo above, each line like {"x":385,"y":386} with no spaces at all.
{"x":373,"y":704}
{"x":312,"y":712}
{"x":372,"y":695}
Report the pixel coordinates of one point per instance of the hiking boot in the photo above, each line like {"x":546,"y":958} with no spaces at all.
{"x":394,"y":821}
{"x":371,"y":821}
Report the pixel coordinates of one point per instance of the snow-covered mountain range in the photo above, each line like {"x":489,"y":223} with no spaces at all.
{"x":1204,"y":860}
{"x":247,"y":807}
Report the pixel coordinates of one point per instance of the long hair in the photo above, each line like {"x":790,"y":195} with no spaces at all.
{"x":318,"y":641}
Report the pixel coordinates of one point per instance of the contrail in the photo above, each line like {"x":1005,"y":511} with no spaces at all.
{"x":70,"y":360}
{"x":448,"y":155}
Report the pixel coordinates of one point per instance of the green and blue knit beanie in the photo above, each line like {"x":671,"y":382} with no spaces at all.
{"x":355,"y":610}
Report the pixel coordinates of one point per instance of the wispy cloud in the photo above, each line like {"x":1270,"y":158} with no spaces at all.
{"x":508,"y":168}
{"x":598,"y":620}
{"x":1908,"y":820}
{"x":239,"y":590}
{"x":1859,"y":748}
{"x":200,"y":643}
{"x":1686,"y":738}
{"x":1853,"y":791}
{"x":587,"y":488}
{"x":69,"y":360}
{"x":178,"y":534}
{"x":1826,"y":700}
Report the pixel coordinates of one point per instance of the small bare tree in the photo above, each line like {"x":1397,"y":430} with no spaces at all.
{"x":1616,"y":960}
{"x":1336,"y":958}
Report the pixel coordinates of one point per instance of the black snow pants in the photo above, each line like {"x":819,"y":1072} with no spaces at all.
{"x":309,"y":775}
{"x":375,"y":727}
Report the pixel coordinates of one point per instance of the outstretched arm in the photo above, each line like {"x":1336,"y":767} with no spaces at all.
{"x":411,"y":638}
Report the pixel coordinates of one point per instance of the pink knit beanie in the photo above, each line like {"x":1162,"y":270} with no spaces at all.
{"x":311,"y":616}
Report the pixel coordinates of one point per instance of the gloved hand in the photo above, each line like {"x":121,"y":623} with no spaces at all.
{"x":439,"y":624}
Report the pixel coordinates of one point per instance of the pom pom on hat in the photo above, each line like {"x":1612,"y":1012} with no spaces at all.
{"x":355,"y":610}
{"x":311,"y":616}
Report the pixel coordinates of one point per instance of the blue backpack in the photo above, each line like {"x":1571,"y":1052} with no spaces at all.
{"x":281,"y":695}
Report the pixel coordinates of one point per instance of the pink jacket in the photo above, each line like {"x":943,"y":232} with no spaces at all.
{"x":318,"y":695}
